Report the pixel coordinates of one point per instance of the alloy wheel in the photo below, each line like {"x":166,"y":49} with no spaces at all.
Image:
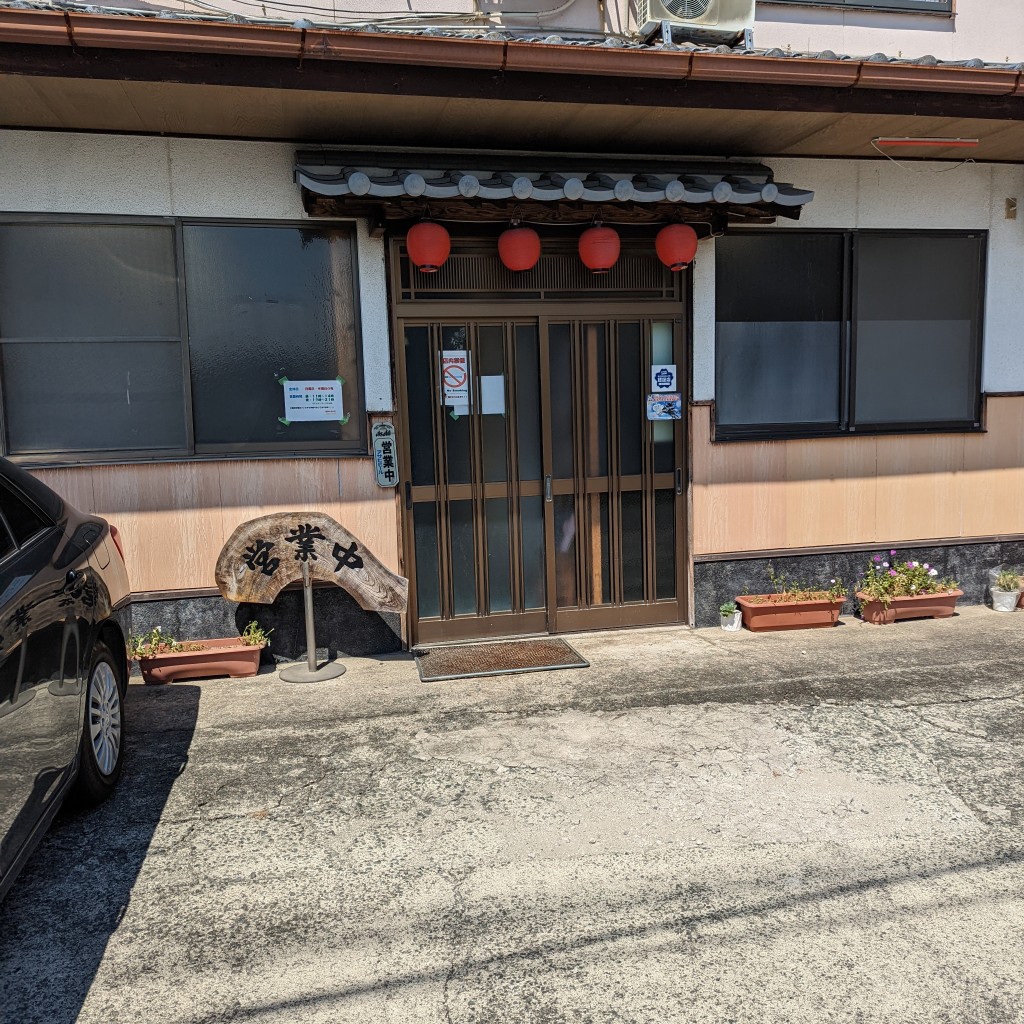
{"x":104,"y":717}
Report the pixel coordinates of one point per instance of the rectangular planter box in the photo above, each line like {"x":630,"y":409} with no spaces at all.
{"x":217,"y":658}
{"x":761,"y":616}
{"x":920,"y":606}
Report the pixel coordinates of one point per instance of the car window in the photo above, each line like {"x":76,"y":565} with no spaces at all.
{"x":25,"y":522}
{"x":6,"y":544}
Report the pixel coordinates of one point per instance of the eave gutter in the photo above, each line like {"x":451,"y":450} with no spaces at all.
{"x":98,"y":31}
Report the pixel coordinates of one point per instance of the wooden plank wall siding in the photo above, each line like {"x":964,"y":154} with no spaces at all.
{"x":174,"y":517}
{"x":760,"y":496}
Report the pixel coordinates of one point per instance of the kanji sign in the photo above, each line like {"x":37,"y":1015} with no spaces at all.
{"x":455,"y":377}
{"x":264,"y":555}
{"x":385,"y":454}
{"x":663,"y":377}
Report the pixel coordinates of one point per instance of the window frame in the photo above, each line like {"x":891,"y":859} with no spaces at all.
{"x":947,"y":10}
{"x":205,"y":452}
{"x":846,"y":427}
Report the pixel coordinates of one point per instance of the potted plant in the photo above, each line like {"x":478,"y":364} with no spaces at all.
{"x":891,"y":590}
{"x":793,"y":605}
{"x":1006,"y":591}
{"x":163,"y":659}
{"x":731,"y":617}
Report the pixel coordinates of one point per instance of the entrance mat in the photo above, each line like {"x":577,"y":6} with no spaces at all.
{"x":464,"y":661}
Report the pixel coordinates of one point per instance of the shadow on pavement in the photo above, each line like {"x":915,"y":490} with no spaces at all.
{"x":59,"y":915}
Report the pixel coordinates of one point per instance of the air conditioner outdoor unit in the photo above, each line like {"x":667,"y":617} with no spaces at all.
{"x":700,"y":21}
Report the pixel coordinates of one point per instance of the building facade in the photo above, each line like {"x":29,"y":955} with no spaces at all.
{"x":189,"y":221}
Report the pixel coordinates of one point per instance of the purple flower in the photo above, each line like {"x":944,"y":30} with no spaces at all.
{"x":892,"y":552}
{"x":926,"y":565}
{"x":910,"y":565}
{"x":878,"y":558}
{"x":892,"y":572}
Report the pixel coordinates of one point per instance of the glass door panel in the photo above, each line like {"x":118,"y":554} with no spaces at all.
{"x":615,"y":478}
{"x":475,"y":516}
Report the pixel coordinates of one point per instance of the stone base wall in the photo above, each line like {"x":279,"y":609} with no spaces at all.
{"x":342,"y":627}
{"x":716,"y":582}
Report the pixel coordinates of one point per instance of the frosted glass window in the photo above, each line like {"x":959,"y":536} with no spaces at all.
{"x":832,"y":332}
{"x":779,"y":304}
{"x":90,"y":338}
{"x":266,"y":303}
{"x":917,"y":318}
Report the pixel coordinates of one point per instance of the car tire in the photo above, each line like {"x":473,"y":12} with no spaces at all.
{"x":101,"y":748}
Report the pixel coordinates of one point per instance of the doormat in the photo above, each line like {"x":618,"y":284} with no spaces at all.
{"x":464,"y":661}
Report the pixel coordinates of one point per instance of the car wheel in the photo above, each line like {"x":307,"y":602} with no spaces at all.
{"x":101,"y":753}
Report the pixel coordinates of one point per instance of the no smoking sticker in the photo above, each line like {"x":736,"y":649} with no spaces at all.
{"x":455,"y":377}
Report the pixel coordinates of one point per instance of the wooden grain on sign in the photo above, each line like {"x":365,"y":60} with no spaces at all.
{"x":264,"y":555}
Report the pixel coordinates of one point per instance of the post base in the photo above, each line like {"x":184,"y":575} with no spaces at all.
{"x":302,"y":674}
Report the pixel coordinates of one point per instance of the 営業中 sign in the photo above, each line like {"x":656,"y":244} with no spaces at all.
{"x":385,"y":454}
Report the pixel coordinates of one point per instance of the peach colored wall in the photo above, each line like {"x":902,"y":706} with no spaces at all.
{"x":755,"y":496}
{"x":174,"y":517}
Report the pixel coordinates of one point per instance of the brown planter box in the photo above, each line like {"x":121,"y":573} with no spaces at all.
{"x":917,"y":606}
{"x":760,"y":616}
{"x":217,"y":658}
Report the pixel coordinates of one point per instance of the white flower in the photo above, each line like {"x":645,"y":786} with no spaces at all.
{"x":885,"y":565}
{"x":913,"y":590}
{"x":916,"y":565}
{"x":933,"y":572}
{"x":832,"y":581}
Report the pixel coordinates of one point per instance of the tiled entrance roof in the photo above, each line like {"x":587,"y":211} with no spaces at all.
{"x":686,"y":186}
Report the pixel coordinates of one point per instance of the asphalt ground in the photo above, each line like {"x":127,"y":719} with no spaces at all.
{"x":822,"y":825}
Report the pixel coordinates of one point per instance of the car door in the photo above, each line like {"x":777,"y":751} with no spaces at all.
{"x":40,"y":717}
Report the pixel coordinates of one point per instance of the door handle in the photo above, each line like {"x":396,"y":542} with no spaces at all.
{"x":71,"y":576}
{"x":679,"y":480}
{"x":547,"y":488}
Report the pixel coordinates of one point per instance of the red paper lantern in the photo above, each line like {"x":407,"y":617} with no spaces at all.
{"x":519,"y":248}
{"x":676,"y":246}
{"x":429,"y":245}
{"x":599,"y":249}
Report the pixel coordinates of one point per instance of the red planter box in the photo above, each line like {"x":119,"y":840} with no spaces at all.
{"x":767,"y":614}
{"x":918,"y":606}
{"x":217,"y":658}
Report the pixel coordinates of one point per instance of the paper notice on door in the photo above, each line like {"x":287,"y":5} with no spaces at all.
{"x":455,"y":377}
{"x":492,"y":395}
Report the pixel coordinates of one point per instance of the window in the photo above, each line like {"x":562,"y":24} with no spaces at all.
{"x":23,"y":521}
{"x":927,"y":6}
{"x":839,"y":332}
{"x":100,"y":358}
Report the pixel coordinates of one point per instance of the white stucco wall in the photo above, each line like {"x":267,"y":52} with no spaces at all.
{"x":49,"y":172}
{"x":881,"y":194}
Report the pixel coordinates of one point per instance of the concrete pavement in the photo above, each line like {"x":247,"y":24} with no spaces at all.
{"x":813,"y":826}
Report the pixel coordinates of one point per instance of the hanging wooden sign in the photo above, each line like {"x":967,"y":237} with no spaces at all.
{"x":264,"y":555}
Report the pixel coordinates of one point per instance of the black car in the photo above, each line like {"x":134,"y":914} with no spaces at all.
{"x":64,"y":599}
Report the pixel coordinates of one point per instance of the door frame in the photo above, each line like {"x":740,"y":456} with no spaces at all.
{"x":455,"y":311}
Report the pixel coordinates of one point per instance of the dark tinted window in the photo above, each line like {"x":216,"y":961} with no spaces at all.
{"x":266,"y":303}
{"x":25,"y":522}
{"x":779,"y":302}
{"x":917,"y":303}
{"x":794,"y":355}
{"x":91,"y":340}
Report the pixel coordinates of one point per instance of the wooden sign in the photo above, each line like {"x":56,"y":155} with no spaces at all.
{"x":264,"y":555}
